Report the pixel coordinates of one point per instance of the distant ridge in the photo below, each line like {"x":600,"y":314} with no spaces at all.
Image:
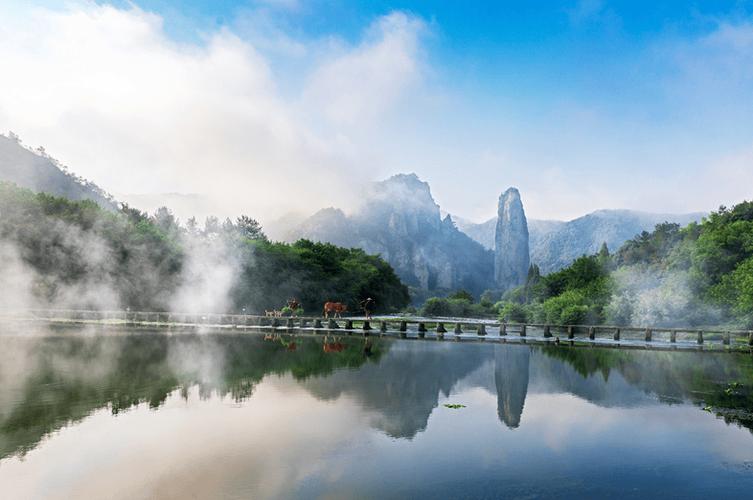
{"x":555,"y":244}
{"x":39,"y":172}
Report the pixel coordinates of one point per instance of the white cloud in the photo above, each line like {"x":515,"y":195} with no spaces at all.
{"x":106,"y":91}
{"x":360,"y":84}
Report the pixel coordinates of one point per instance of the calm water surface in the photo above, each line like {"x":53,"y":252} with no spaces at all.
{"x":148,"y":415}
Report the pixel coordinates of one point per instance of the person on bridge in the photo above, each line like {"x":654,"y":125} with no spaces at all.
{"x":368,"y":306}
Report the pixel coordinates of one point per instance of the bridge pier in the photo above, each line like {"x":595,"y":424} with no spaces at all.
{"x":616,"y":335}
{"x":421,"y":330}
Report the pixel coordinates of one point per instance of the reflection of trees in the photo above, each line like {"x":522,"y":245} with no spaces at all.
{"x":723,"y":381}
{"x":65,"y":379}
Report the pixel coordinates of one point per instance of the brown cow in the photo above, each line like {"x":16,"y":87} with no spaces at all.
{"x":336,"y":308}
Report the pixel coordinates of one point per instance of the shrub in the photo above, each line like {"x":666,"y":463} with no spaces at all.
{"x":512,"y":312}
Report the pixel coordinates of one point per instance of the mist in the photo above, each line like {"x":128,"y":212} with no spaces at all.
{"x":645,"y":296}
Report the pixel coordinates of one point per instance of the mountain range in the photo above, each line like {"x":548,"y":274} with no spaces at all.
{"x":555,"y":244}
{"x":400,"y":220}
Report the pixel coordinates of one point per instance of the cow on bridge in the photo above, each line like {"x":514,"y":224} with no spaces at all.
{"x":334,"y":308}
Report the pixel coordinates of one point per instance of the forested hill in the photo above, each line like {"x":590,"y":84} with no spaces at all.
{"x":701,"y":274}
{"x":39,"y":172}
{"x":56,"y":252}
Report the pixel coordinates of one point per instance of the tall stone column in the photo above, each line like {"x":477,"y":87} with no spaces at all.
{"x":511,"y":253}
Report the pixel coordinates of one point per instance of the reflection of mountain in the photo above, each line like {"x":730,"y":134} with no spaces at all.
{"x":403,"y":389}
{"x":511,"y":381}
{"x":549,"y":374}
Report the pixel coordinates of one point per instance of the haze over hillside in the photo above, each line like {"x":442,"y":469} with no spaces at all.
{"x":398,"y":219}
{"x":39,"y":172}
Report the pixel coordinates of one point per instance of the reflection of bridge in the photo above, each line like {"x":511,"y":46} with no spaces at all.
{"x":423,"y":328}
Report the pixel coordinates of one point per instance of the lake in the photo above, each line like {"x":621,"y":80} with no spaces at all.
{"x":154,"y":415}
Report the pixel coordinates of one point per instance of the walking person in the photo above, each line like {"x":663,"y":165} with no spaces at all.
{"x":368,"y":306}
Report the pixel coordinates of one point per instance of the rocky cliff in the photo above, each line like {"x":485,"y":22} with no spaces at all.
{"x":400,"y":221}
{"x":511,"y":254}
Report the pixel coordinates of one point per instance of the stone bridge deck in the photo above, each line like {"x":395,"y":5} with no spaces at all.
{"x":423,"y":328}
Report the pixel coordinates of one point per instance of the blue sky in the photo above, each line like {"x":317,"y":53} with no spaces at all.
{"x":581,"y":104}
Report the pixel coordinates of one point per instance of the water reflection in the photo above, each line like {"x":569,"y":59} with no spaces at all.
{"x":511,"y":372}
{"x":316,"y":402}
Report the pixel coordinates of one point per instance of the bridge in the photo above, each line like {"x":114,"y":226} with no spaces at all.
{"x":438,"y":329}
